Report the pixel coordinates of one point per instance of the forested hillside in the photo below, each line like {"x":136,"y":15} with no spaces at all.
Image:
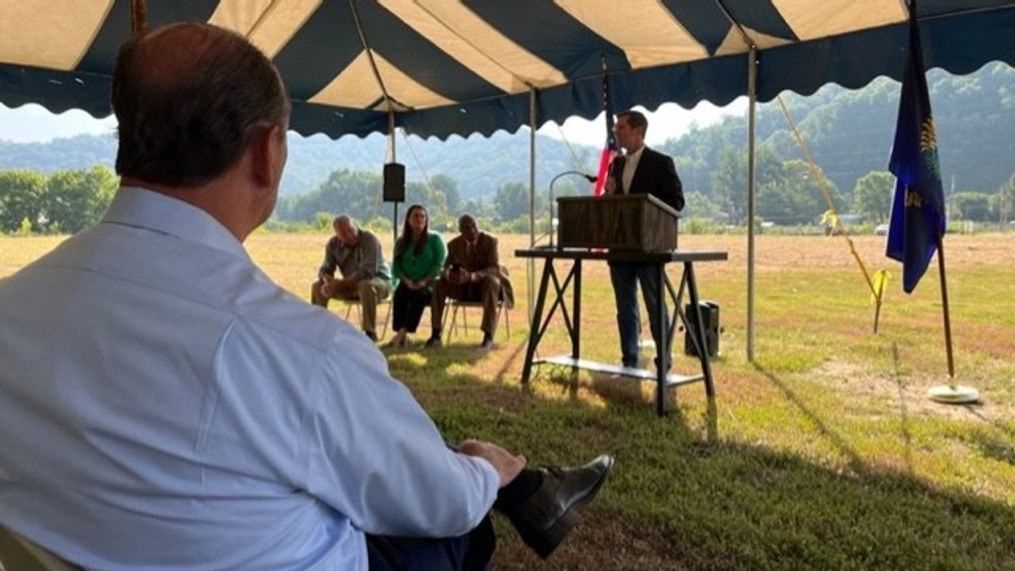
{"x":849,"y":133}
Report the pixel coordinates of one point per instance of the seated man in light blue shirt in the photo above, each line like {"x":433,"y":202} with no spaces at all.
{"x":176,"y":409}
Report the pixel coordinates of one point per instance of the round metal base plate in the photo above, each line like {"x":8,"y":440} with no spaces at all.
{"x":953,"y":394}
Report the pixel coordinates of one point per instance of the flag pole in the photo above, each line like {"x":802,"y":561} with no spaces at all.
{"x":951,"y":393}
{"x":944,"y":304}
{"x":918,"y":209}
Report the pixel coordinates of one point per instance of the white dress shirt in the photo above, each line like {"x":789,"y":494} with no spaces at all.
{"x":164,"y":404}
{"x":630,"y":165}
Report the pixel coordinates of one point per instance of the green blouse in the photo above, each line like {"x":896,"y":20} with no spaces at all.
{"x":427,"y":263}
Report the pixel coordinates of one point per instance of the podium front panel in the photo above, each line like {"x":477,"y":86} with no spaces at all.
{"x":627,"y":222}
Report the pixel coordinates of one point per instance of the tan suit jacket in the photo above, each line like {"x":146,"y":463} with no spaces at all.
{"x":485,"y":262}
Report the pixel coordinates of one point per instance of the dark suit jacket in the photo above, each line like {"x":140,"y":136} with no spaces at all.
{"x":487,"y":262}
{"x":655,"y":175}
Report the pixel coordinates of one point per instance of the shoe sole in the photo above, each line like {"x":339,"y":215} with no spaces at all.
{"x":559,"y":530}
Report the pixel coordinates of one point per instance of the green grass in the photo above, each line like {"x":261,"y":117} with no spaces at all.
{"x":823,"y":453}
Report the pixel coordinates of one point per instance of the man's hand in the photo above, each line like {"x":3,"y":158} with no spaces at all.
{"x":459,"y":276}
{"x":328,"y":286}
{"x":508,"y":466}
{"x":610,"y":185}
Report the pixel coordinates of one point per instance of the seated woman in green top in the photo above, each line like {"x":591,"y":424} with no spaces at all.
{"x":419,"y":256}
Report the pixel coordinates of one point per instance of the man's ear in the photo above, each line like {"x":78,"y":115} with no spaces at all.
{"x":268,"y":148}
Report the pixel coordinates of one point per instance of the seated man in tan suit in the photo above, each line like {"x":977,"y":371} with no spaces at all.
{"x":472,"y":272}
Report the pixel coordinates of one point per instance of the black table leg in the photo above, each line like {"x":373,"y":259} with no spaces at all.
{"x":577,"y":305}
{"x":662,"y":343}
{"x":537,"y":317}
{"x":699,"y":330}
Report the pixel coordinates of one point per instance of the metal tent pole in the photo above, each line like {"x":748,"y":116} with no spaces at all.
{"x":752,"y":74}
{"x":530,"y":266}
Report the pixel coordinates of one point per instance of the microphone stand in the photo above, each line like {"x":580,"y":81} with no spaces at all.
{"x":588,"y":177}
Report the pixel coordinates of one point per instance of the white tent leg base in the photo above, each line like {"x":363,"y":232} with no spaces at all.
{"x":953,"y":394}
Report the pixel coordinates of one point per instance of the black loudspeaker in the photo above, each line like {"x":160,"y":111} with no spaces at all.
{"x":394,"y":182}
{"x":710,"y":317}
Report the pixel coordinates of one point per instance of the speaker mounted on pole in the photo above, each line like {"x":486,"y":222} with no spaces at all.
{"x":394,"y":182}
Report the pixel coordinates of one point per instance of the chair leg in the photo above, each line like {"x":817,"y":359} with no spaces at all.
{"x":451,"y":306}
{"x":387,"y":318}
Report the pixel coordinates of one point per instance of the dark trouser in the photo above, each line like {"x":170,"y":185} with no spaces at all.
{"x":625,"y":278}
{"x":468,"y":552}
{"x":408,"y":307}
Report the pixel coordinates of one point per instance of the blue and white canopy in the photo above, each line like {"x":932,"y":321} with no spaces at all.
{"x":442,"y":67}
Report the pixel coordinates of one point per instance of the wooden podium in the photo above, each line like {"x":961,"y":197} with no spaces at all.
{"x":638,"y":222}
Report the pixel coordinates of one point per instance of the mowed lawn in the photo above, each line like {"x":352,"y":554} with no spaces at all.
{"x":822,"y":453}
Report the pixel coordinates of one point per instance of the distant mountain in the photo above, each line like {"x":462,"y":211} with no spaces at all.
{"x":479,"y":164}
{"x":77,"y":152}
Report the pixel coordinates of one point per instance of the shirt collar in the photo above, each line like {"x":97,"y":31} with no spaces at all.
{"x":636,"y":154}
{"x":143,"y":208}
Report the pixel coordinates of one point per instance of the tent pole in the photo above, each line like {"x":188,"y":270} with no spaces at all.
{"x":530,"y":266}
{"x":138,"y":16}
{"x":752,"y":74}
{"x":752,"y":95}
{"x":391,"y":147}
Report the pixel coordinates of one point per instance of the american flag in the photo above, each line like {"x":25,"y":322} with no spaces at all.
{"x":610,"y":150}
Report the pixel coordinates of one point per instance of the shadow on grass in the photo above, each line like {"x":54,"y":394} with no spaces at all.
{"x":675,"y":501}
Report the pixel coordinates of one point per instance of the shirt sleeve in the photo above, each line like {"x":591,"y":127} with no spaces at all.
{"x":493,"y":262}
{"x":330,"y":262}
{"x":378,"y":458}
{"x":670,"y":189}
{"x":440,"y":253}
{"x":370,"y":256}
{"x":396,"y":266}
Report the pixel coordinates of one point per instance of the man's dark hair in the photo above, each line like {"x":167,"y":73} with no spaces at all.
{"x":635,"y":119}
{"x":186,"y":117}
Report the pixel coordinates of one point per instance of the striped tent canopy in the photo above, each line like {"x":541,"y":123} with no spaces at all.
{"x":442,"y":67}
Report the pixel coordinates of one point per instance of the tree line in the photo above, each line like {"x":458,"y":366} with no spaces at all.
{"x":789,"y":193}
{"x":64,"y":202}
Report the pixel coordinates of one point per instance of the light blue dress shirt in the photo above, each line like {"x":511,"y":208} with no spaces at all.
{"x":164,"y":404}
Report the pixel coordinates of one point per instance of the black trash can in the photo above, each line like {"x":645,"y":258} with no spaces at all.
{"x":710,"y":317}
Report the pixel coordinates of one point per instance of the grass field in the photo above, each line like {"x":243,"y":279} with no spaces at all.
{"x":823,"y":453}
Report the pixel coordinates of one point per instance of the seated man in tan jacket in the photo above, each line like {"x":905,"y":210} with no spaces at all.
{"x":472,"y":272}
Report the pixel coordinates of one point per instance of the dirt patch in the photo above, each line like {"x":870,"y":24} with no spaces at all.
{"x":906,"y":393}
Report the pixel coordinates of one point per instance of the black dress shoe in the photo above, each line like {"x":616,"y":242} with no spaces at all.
{"x":546,"y":517}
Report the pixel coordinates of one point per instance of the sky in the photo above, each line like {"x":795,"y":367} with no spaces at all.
{"x":32,"y":123}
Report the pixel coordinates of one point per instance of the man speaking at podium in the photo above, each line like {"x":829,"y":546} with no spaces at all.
{"x":640,"y":170}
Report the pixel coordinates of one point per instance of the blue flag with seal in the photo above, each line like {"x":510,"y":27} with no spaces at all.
{"x":917,"y":220}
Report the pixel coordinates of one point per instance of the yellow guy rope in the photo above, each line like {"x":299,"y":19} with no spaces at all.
{"x":879,"y":281}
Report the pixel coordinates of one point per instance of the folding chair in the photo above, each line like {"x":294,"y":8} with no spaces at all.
{"x":350,"y":303}
{"x":17,"y":553}
{"x":453,"y":305}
